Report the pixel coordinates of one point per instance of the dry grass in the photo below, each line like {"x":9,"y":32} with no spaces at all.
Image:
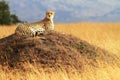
{"x":90,"y":73}
{"x":104,"y":35}
{"x":34,"y":74}
{"x":6,"y":30}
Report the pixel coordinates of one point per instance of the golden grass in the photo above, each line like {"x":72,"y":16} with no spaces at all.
{"x":89,"y":73}
{"x":104,"y":35}
{"x":40,"y":74}
{"x":6,"y":30}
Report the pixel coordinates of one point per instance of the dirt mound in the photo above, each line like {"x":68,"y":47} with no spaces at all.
{"x":54,"y":51}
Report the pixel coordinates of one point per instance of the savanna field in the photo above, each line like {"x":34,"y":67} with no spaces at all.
{"x":103,"y":35}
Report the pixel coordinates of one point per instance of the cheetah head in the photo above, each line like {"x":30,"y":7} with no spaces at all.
{"x":50,"y":15}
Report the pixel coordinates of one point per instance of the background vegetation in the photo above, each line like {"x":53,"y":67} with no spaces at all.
{"x":5,"y":16}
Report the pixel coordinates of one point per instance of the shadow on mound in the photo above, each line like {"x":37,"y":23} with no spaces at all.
{"x":54,"y":51}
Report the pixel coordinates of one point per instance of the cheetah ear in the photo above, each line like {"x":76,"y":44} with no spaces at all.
{"x":54,"y":12}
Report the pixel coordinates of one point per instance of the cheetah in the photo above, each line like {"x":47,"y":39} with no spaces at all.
{"x":36,"y":28}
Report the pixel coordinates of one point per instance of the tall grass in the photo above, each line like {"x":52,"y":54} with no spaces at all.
{"x":6,"y":30}
{"x":89,"y":73}
{"x":104,"y":35}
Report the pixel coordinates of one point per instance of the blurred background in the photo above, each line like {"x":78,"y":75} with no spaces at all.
{"x":66,"y":10}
